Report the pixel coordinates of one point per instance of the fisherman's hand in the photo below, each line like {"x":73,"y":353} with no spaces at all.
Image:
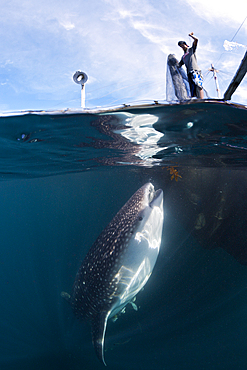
{"x":194,"y":38}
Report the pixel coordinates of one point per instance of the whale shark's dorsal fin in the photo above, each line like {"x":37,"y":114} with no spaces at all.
{"x":98,"y":324}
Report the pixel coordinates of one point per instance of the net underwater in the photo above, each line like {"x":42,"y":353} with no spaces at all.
{"x":66,"y":174}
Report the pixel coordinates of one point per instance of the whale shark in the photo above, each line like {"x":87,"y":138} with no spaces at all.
{"x":119,"y":263}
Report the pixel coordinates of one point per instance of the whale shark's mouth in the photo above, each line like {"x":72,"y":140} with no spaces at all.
{"x":153,"y":195}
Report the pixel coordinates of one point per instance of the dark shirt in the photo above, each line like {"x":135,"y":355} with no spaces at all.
{"x":189,"y":59}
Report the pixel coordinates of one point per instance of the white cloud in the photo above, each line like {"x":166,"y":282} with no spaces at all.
{"x":226,"y":11}
{"x":67,"y":25}
{"x":228,"y":45}
{"x":6,"y":63}
{"x":144,"y":18}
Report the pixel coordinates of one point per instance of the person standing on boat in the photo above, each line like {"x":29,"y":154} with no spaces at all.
{"x":193,"y":72}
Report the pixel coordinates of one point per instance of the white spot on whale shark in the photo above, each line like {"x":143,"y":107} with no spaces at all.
{"x":119,"y":263}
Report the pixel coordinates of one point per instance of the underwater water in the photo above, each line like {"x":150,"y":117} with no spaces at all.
{"x":64,"y":175}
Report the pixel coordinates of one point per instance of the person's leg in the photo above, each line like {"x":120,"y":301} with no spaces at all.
{"x":192,"y":86}
{"x":199,"y":93}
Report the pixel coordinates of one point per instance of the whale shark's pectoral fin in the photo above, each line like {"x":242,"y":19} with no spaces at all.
{"x":66,"y":296}
{"x":98,"y":323}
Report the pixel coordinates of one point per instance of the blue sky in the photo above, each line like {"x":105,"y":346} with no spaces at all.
{"x":121,"y":44}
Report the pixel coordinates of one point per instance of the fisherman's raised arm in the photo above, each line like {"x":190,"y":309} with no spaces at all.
{"x":194,"y":38}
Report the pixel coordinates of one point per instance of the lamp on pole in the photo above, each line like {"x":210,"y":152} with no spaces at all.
{"x":81,"y":78}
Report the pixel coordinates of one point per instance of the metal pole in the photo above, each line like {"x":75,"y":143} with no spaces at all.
{"x":242,"y":69}
{"x":83,"y":96}
{"x":215,"y":71}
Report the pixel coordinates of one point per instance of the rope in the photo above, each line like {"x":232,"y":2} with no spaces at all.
{"x":239,"y":28}
{"x":231,"y":41}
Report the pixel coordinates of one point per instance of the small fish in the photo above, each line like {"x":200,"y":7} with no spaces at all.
{"x":119,"y":263}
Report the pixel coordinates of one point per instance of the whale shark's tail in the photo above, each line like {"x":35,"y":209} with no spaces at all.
{"x":98,"y":325}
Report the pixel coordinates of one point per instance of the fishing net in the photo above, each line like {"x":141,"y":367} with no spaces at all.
{"x":177,"y":85}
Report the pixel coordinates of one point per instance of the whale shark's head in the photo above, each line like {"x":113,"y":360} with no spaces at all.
{"x":150,"y":215}
{"x":119,"y":263}
{"x":145,"y":199}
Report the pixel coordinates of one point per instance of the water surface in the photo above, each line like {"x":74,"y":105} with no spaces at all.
{"x":66,"y":174}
